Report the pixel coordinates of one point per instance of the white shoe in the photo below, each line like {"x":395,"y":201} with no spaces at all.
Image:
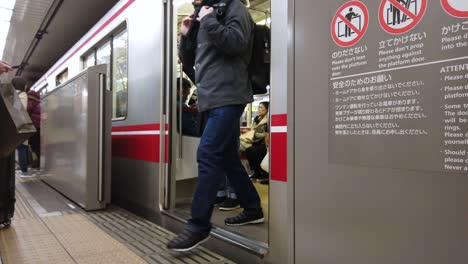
{"x":27,"y":175}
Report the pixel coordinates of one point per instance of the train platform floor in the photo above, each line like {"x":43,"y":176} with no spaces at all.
{"x":48,"y":228}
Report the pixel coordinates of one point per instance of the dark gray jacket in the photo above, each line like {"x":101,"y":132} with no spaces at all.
{"x":223,"y":53}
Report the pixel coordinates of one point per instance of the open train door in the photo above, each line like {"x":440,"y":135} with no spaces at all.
{"x":180,"y":176}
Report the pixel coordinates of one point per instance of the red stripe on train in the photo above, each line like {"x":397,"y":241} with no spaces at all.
{"x":279,"y":149}
{"x":146,"y":127}
{"x":279,"y":120}
{"x":135,"y":146}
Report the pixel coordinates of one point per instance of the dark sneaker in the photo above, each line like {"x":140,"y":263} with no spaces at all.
{"x":262,"y":178}
{"x":229,"y":205}
{"x":220,"y":199}
{"x":245,"y":219}
{"x":5,"y":224}
{"x":187,"y":240}
{"x":265,"y":180}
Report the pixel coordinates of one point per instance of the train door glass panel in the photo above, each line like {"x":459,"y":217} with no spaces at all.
{"x":103,"y":56}
{"x":120,"y":75}
{"x":89,"y":61}
{"x":62,"y":77}
{"x":185,"y":140}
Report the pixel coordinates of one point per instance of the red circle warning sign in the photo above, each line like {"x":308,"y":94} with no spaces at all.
{"x":456,"y":8}
{"x":400,"y":16}
{"x":350,"y":23}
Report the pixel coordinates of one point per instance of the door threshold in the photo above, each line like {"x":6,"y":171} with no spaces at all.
{"x":260,"y":249}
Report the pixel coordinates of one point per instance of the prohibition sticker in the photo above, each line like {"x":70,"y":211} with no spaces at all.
{"x":456,"y":8}
{"x":350,"y":23}
{"x":400,"y":16}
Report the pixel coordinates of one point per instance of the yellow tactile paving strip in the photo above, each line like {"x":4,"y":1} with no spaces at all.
{"x":57,"y":234}
{"x":22,"y":210}
{"x":60,"y":239}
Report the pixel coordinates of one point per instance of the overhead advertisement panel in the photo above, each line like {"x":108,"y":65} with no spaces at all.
{"x":399,"y":84}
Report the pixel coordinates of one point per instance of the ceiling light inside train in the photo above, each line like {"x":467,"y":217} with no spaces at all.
{"x":6,"y":11}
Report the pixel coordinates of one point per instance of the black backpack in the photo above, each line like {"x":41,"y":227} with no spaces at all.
{"x":259,"y":66}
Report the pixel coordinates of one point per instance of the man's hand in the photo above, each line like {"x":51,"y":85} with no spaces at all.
{"x":185,"y":26}
{"x":4,"y":67}
{"x":205,"y":10}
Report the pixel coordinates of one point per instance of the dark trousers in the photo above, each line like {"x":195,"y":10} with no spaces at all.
{"x":23,"y":157}
{"x":255,"y":156}
{"x":7,"y":188}
{"x":35,"y":142}
{"x":218,"y":156}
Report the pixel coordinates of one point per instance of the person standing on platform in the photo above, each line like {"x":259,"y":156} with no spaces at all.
{"x":34,"y":111}
{"x":21,"y":85}
{"x":7,"y":175}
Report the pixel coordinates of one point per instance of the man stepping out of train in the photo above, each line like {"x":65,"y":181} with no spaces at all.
{"x":219,"y":48}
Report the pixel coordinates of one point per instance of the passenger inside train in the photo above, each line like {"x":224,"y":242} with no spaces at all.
{"x":253,"y":142}
{"x":189,"y":112}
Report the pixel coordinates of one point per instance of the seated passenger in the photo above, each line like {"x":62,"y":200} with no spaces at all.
{"x":189,"y":113}
{"x":256,"y":150}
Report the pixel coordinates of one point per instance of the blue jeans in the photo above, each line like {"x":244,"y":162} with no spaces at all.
{"x":226,"y":190}
{"x":23,"y":157}
{"x":218,"y":156}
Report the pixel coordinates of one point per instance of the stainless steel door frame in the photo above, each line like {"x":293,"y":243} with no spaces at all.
{"x":281,"y":202}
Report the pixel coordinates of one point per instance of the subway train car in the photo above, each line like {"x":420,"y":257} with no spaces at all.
{"x":332,"y":197}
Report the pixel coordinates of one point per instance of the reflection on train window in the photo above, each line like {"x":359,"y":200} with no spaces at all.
{"x":114,"y":53}
{"x":89,"y":61}
{"x":43,"y":90}
{"x":103,"y":56}
{"x":120,"y":75}
{"x":62,"y":77}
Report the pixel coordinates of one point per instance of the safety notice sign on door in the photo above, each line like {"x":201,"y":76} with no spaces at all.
{"x":350,"y":23}
{"x":456,"y":8}
{"x":400,"y":16}
{"x":399,"y":97}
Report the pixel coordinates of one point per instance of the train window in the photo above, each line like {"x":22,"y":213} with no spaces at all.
{"x":103,"y":56}
{"x":89,"y":61}
{"x":120,"y":75}
{"x":62,"y":77}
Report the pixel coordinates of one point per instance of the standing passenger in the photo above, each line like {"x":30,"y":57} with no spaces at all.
{"x":21,"y":85}
{"x":220,"y":52}
{"x":34,"y":111}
